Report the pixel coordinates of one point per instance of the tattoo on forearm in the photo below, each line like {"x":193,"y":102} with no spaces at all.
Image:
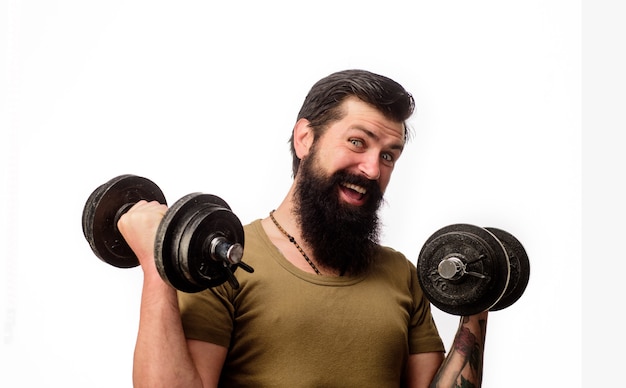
{"x":467,"y":350}
{"x":464,"y":341}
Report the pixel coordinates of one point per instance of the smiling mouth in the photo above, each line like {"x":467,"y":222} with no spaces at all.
{"x":359,"y":189}
{"x":355,"y":192}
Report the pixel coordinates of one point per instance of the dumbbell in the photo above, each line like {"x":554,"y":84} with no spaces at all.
{"x":464,"y":269}
{"x":199,"y":242}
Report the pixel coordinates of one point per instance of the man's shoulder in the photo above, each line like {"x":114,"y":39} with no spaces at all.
{"x":389,"y":256}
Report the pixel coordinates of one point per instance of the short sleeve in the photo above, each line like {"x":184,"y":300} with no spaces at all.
{"x":423,"y":334}
{"x":208,"y":315}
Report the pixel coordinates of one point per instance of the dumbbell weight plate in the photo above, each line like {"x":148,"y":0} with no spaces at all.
{"x":182,"y":251}
{"x":487,"y":268}
{"x":520,"y":269}
{"x":103,"y":209}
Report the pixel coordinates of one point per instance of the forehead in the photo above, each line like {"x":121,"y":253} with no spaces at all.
{"x":361,"y":115}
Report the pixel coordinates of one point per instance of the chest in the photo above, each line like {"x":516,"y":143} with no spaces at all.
{"x":322,"y":331}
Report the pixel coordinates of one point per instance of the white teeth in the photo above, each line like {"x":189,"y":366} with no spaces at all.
{"x":358,"y":189}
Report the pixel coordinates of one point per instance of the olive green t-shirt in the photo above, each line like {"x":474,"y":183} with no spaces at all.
{"x":288,"y":328}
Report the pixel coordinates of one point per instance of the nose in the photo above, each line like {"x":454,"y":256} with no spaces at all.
{"x":370,"y":166}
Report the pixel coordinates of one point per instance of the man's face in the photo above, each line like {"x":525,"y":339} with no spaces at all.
{"x":340,"y":186}
{"x":364,"y":143}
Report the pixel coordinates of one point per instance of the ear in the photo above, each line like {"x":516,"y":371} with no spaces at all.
{"x":303,"y":137}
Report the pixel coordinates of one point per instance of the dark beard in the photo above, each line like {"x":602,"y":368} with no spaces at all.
{"x":343,"y":237}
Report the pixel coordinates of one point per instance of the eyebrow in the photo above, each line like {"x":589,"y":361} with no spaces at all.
{"x":372,"y":135}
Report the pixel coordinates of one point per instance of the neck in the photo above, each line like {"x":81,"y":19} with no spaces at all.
{"x":284,"y":216}
{"x":294,"y":242}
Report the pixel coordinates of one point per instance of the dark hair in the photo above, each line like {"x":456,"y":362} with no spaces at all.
{"x":322,"y":104}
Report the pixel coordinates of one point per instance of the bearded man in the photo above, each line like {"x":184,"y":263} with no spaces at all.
{"x":327,"y":305}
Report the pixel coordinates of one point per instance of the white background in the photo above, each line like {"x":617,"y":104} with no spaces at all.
{"x":202,"y":96}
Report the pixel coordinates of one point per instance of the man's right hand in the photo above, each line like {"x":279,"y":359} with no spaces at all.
{"x":139,"y":226}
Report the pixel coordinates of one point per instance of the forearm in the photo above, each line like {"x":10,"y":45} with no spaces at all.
{"x":463,"y":366}
{"x":162,"y":358}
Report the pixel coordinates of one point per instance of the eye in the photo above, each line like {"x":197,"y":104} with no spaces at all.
{"x":356,"y":142}
{"x":388,"y":158}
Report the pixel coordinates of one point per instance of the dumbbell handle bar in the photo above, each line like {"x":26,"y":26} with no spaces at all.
{"x":223,"y":250}
{"x":452,"y":268}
